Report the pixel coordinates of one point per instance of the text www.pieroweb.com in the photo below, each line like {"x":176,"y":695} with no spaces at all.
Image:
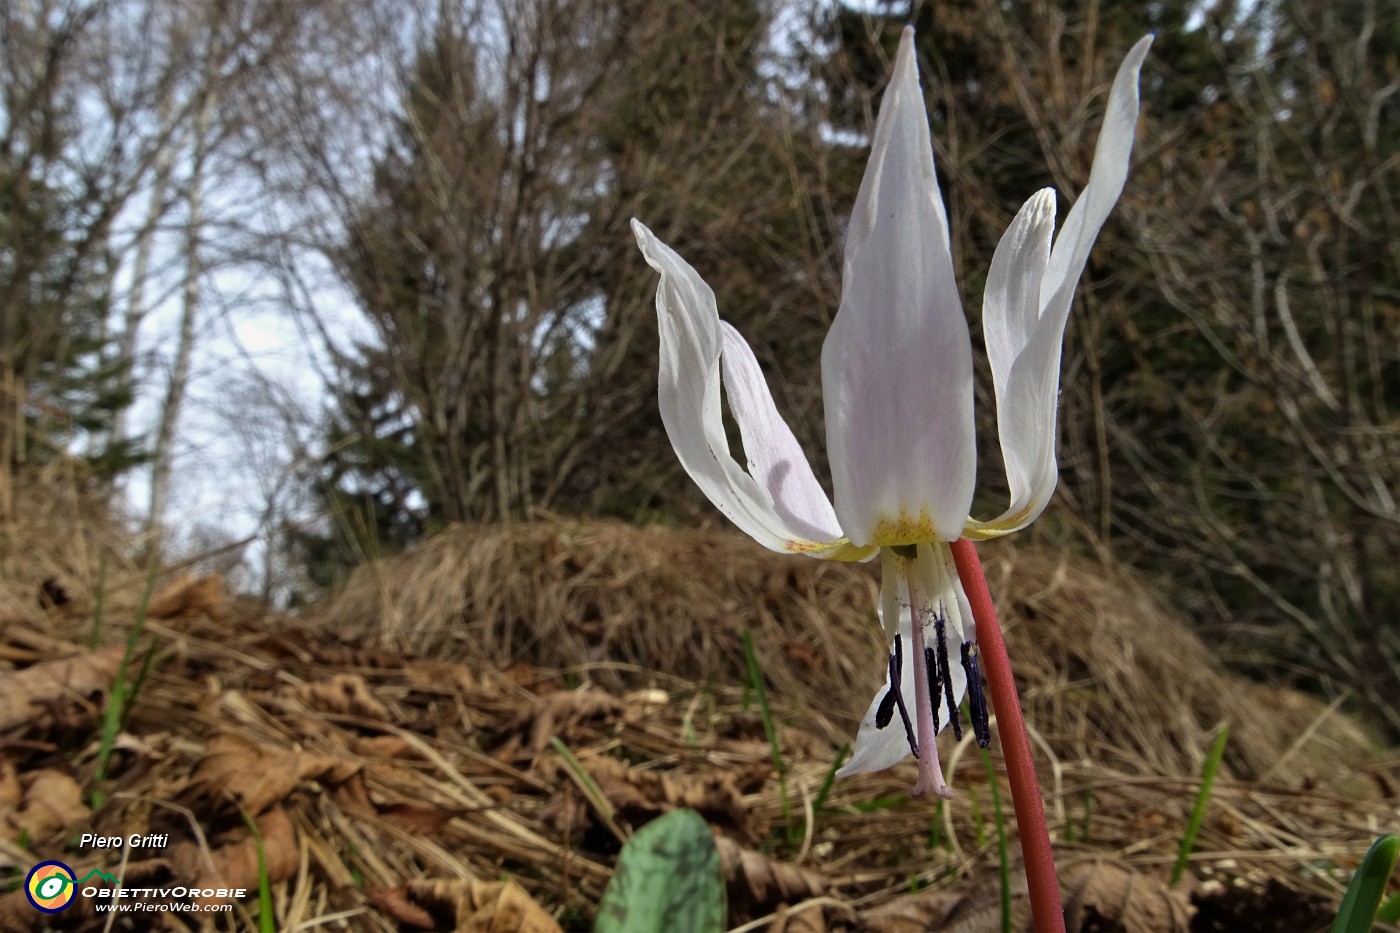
{"x":129,"y":899}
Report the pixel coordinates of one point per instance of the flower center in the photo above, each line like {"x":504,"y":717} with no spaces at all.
{"x":930,"y":603}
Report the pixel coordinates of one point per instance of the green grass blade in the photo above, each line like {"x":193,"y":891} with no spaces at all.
{"x":979,"y":822}
{"x":1363,"y":898}
{"x":935,"y":827}
{"x":267,"y":921}
{"x":95,"y":636}
{"x":1389,"y":911}
{"x":589,"y":787}
{"x":769,"y":728}
{"x":121,"y":697}
{"x":830,"y":779}
{"x":881,"y":803}
{"x":138,"y":683}
{"x":1198,"y":813}
{"x":1003,"y":853}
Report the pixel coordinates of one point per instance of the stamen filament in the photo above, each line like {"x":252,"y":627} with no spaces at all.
{"x":897,"y":691}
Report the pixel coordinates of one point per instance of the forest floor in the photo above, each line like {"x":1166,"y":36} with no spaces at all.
{"x":390,"y":759}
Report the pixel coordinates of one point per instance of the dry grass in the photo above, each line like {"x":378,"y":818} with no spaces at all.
{"x":59,"y":530}
{"x":394,"y":784}
{"x":1110,"y":674}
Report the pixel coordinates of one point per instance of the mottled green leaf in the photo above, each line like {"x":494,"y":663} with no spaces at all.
{"x":668,"y":879}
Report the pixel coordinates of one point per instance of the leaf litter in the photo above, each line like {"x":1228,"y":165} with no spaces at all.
{"x":393,"y":748}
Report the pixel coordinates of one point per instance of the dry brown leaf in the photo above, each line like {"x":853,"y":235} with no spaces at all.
{"x":572,"y":715}
{"x":416,"y":818}
{"x":912,"y":913}
{"x":757,"y":883}
{"x":352,"y":796}
{"x":802,"y":918}
{"x":153,"y":746}
{"x":10,"y":791}
{"x":343,"y":655}
{"x":28,"y":693}
{"x":384,"y":746}
{"x":1103,"y":892}
{"x":567,"y":813}
{"x":469,"y":906}
{"x":187,"y":596}
{"x":258,"y":776}
{"x":342,"y":694}
{"x":438,"y":675}
{"x":639,"y":796}
{"x":50,"y":802}
{"x":395,"y":903}
{"x":16,"y":914}
{"x":235,"y":864}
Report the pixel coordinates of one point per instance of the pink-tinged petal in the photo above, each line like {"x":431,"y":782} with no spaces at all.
{"x":689,"y":396}
{"x":897,"y":363}
{"x":1028,"y":388}
{"x":775,"y":458}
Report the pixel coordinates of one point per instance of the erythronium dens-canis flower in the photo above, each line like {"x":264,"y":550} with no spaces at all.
{"x":897,"y":385}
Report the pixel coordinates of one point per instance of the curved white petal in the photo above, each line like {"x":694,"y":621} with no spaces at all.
{"x":1110,"y":170}
{"x":775,"y":458}
{"x":897,"y":363}
{"x":1011,"y":304}
{"x":689,"y":395}
{"x":1024,"y":348}
{"x":876,"y":748}
{"x":1010,"y":315}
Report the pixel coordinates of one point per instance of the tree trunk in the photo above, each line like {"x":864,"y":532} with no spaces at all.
{"x":162,"y":455}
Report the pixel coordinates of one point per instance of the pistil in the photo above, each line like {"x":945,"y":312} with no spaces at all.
{"x":930,"y":771}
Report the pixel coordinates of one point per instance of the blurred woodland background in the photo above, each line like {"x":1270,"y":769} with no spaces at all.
{"x":433,"y":197}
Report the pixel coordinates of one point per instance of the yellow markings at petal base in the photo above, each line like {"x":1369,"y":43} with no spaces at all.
{"x":905,"y":530}
{"x":840,"y":549}
{"x":999,"y":527}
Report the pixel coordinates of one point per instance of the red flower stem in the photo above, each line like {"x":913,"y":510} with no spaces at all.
{"x":1044,"y":886}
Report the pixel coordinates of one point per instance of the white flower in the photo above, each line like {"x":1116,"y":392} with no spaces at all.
{"x":898,"y":387}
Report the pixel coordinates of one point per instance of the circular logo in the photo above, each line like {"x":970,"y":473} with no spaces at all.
{"x":50,"y":887}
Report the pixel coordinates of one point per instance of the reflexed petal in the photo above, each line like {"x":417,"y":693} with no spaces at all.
{"x":1011,"y":304}
{"x":1025,"y":353}
{"x":1110,"y":170}
{"x":876,"y":748}
{"x":689,"y":396}
{"x":897,"y":364}
{"x":775,"y":459}
{"x":1010,"y":317}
